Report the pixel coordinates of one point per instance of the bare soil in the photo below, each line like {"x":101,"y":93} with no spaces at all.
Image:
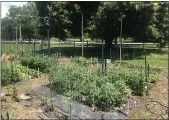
{"x":158,"y":93}
{"x":24,"y":109}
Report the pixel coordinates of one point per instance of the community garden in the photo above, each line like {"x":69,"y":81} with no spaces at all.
{"x":83,"y":79}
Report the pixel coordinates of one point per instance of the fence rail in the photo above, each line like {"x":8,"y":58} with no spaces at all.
{"x":70,"y":42}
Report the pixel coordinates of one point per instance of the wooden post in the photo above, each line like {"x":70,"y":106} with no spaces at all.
{"x":87,"y":44}
{"x":82,"y":35}
{"x":48,"y":43}
{"x":121,"y":41}
{"x":16,"y":40}
{"x":148,"y":70}
{"x":38,"y":72}
{"x":74,"y":46}
{"x":102,"y":56}
{"x":34,"y":46}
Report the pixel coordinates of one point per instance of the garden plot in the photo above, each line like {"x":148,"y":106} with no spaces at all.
{"x":78,"y":110}
{"x":94,"y":93}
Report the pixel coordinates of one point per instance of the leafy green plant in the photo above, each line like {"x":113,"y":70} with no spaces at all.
{"x":85,"y":61}
{"x":43,"y":101}
{"x":15,"y":94}
{"x":7,"y":75}
{"x":37,"y":61}
{"x":94,"y":88}
{"x":134,"y":79}
{"x":154,"y":79}
{"x":19,"y":73}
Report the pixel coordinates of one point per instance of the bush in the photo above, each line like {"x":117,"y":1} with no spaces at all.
{"x":133,"y":78}
{"x":154,"y":79}
{"x":7,"y":75}
{"x":85,"y":61}
{"x":19,"y":73}
{"x":91,"y":88}
{"x":37,"y":61}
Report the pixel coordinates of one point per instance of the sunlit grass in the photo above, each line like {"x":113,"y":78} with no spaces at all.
{"x":154,"y":60}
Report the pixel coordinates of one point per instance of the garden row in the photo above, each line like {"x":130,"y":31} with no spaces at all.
{"x":14,"y":72}
{"x":103,"y":90}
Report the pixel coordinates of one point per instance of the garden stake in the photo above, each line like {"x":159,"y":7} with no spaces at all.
{"x":12,"y":70}
{"x":148,"y":69}
{"x":110,"y":54}
{"x":87,"y":45}
{"x":74,"y":46}
{"x":102,"y":118}
{"x":91,"y":61}
{"x":105,"y":65}
{"x":146,"y":72}
{"x":28,"y":76}
{"x":7,"y":115}
{"x":38,"y":72}
{"x":102,"y":56}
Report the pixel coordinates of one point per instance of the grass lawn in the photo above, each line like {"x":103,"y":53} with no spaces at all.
{"x":154,"y":60}
{"x":12,"y":47}
{"x":134,"y":53}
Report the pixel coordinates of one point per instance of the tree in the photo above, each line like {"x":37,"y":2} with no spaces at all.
{"x":24,"y":17}
{"x":65,"y":17}
{"x":141,"y":21}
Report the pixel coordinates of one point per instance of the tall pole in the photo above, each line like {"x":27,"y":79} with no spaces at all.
{"x":48,"y":43}
{"x":16,"y":39}
{"x":120,"y":41}
{"x":102,"y":56}
{"x":20,"y":33}
{"x":59,"y":39}
{"x":82,"y":34}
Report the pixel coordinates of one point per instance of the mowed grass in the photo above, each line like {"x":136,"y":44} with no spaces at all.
{"x":12,"y":47}
{"x":154,"y":60}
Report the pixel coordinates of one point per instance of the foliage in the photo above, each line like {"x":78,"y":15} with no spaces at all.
{"x":37,"y":62}
{"x":154,"y":79}
{"x":85,"y":61}
{"x":12,"y":48}
{"x":18,"y":73}
{"x":8,"y":75}
{"x":65,"y":17}
{"x":29,"y":23}
{"x":103,"y":91}
{"x":15,"y":94}
{"x":142,"y":21}
{"x":134,"y":79}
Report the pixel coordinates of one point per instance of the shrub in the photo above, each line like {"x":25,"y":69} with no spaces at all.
{"x":134,"y":79}
{"x":91,"y":88}
{"x":154,"y":79}
{"x":85,"y":61}
{"x":7,"y":75}
{"x":37,"y":61}
{"x":19,"y":73}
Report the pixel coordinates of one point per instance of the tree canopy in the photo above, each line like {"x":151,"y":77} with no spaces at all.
{"x":21,"y":16}
{"x":142,"y":21}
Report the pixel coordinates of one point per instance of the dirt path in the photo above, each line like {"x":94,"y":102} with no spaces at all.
{"x":24,"y":109}
{"x":158,"y":92}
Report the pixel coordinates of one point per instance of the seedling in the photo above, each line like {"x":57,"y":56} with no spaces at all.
{"x":15,"y":94}
{"x":43,"y":101}
{"x":8,"y":90}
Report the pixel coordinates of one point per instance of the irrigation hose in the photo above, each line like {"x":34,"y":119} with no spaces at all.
{"x":154,"y":112}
